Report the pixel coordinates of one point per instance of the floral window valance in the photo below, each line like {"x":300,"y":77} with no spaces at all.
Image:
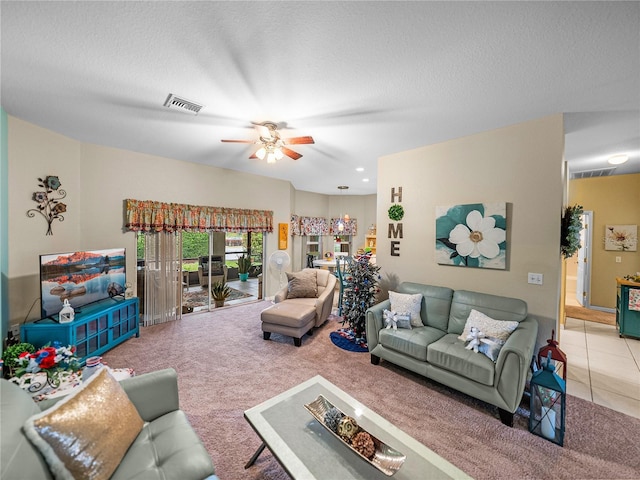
{"x":147,"y":216}
{"x":309,"y":225}
{"x":350,"y":227}
{"x":295,"y":224}
{"x":314,"y":226}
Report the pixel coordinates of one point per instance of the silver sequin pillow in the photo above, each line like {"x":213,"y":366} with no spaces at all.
{"x":407,"y":303}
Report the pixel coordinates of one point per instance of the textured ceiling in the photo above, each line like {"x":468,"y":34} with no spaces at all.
{"x":365,"y":79}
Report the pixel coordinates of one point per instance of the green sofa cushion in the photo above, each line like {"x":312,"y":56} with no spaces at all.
{"x":436,"y":303}
{"x":494,"y":306}
{"x":412,"y":342}
{"x":450,"y":354}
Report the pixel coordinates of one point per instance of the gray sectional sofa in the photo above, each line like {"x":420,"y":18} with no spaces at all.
{"x":435,"y":350}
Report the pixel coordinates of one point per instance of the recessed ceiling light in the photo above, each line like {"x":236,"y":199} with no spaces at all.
{"x":360,"y":169}
{"x":365,"y":179}
{"x":618,"y":159}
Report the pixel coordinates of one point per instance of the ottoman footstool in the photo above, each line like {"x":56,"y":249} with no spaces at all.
{"x":287,"y":318}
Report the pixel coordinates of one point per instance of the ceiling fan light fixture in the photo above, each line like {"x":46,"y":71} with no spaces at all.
{"x":618,"y":159}
{"x":278,"y":154}
{"x":261,"y":153}
{"x":271,"y":157}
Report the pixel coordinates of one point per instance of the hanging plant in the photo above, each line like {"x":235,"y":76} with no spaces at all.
{"x":570,"y":230}
{"x":396,"y":212}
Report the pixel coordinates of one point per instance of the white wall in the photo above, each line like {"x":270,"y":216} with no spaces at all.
{"x":520,"y":165}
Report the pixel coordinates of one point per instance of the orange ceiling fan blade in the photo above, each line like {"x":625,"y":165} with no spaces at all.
{"x":290,"y":153}
{"x":239,"y":141}
{"x":254,"y":154}
{"x":298,"y":140}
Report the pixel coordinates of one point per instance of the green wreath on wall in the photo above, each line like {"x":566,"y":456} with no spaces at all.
{"x":396,"y":212}
{"x":570,"y":227}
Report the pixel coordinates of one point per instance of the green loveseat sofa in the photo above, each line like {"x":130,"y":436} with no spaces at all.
{"x":167,"y":446}
{"x":435,"y":351}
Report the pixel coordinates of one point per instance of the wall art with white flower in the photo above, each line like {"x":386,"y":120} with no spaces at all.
{"x":623,"y":238}
{"x":472,"y":235}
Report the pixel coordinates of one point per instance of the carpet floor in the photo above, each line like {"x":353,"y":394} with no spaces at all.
{"x":225,"y":367}
{"x":590,"y":315}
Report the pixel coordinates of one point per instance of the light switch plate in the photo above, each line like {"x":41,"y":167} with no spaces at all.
{"x":534,"y":278}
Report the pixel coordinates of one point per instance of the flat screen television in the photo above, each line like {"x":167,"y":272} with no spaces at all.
{"x":81,"y":277}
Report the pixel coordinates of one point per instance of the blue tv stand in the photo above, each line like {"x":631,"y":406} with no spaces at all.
{"x":96,"y":328}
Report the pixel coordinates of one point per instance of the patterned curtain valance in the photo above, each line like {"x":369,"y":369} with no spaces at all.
{"x":147,"y":216}
{"x":295,"y":225}
{"x":309,"y":225}
{"x":314,"y":226}
{"x":350,"y":227}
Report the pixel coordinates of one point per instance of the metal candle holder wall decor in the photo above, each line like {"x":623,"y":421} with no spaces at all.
{"x":48,"y":206}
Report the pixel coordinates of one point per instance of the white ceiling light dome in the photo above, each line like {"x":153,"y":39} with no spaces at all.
{"x":618,"y":159}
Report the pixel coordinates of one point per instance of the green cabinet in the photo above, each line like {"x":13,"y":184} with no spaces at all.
{"x":627,"y":319}
{"x":96,"y":328}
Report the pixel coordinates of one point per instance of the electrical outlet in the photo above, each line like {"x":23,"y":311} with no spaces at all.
{"x":15,"y":330}
{"x":534,"y":278}
{"x":618,"y":259}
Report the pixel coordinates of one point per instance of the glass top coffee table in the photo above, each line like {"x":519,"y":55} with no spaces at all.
{"x":307,"y":450}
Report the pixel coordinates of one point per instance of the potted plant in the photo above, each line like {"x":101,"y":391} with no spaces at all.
{"x":244,"y":264}
{"x":12,"y":353}
{"x":220,"y":292}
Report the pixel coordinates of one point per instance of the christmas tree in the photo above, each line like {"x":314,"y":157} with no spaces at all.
{"x":362,"y":285}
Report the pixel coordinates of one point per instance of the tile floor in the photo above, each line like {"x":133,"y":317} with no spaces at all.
{"x":602,"y":367}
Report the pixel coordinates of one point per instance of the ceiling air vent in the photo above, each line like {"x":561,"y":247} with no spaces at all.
{"x":601,"y":172}
{"x":179,"y":103}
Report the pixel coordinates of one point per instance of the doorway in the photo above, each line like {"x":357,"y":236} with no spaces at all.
{"x":579,"y":271}
{"x":221,"y":251}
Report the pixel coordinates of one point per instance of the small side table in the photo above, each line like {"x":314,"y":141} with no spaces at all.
{"x":69,"y":381}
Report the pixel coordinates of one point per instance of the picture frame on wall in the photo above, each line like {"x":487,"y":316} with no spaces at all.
{"x":621,"y":238}
{"x":283,"y":235}
{"x":472,"y":235}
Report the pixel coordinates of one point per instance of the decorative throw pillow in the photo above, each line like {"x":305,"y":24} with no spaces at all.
{"x":86,"y":434}
{"x":302,"y":284}
{"x":409,"y":303}
{"x":396,"y":320}
{"x":500,"y":329}
{"x":491,"y":347}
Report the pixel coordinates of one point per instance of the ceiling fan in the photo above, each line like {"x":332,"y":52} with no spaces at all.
{"x":272,"y":145}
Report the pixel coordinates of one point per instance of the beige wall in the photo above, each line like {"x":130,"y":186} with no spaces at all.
{"x":35,"y":153}
{"x":614,"y":200}
{"x":521,"y":165}
{"x":360,"y":207}
{"x":98,"y":179}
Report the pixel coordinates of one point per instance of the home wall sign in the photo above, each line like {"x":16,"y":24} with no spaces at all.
{"x":49,"y":205}
{"x":472,"y":235}
{"x":396,"y":213}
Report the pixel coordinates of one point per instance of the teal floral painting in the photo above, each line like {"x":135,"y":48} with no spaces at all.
{"x":472,"y":235}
